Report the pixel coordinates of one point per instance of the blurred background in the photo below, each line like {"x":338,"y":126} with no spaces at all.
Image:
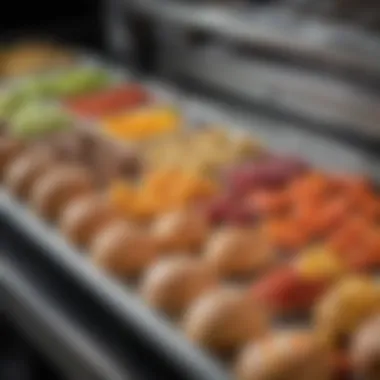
{"x":70,"y":20}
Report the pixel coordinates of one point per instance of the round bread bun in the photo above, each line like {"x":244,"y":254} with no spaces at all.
{"x":286,"y":355}
{"x":224,"y":320}
{"x":84,"y":217}
{"x":9,"y":149}
{"x":174,"y":283}
{"x":237,"y":251}
{"x":123,"y":250}
{"x":23,"y":172}
{"x":183,"y":230}
{"x":58,"y":187}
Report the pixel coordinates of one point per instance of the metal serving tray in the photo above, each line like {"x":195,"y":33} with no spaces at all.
{"x":117,"y":298}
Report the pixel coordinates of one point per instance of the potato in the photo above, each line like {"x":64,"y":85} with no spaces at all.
{"x":286,"y":355}
{"x":224,"y":320}
{"x":183,"y":230}
{"x":365,"y":350}
{"x":238,"y":251}
{"x":21,"y":174}
{"x":58,"y":187}
{"x":9,"y":149}
{"x":84,"y":217}
{"x":341,"y":311}
{"x":123,"y":250}
{"x":174,"y":283}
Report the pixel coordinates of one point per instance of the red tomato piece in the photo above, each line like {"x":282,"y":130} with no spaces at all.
{"x":332,"y":214}
{"x":349,"y":236}
{"x":366,"y":255}
{"x":109,"y":101}
{"x":286,"y":291}
{"x":313,"y":186}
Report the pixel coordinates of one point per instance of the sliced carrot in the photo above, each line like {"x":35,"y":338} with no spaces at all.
{"x":312,"y":186}
{"x":269,"y":203}
{"x":286,"y":235}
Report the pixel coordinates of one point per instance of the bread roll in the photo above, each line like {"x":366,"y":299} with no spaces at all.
{"x":175,"y":282}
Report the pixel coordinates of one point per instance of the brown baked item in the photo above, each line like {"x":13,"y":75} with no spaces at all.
{"x":238,"y":251}
{"x":22,"y":173}
{"x":182,"y":230}
{"x":9,"y":149}
{"x":58,"y":187}
{"x":174,"y":283}
{"x":285,"y":355}
{"x":365,"y":350}
{"x":123,"y":250}
{"x":84,"y":217}
{"x":224,"y":320}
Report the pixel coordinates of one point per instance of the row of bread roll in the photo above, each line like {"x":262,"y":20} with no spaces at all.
{"x":303,"y":355}
{"x":221,"y":321}
{"x":181,"y":275}
{"x":227,"y":320}
{"x":218,"y":321}
{"x":107,"y":159}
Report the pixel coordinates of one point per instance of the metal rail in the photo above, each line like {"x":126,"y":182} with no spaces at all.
{"x":274,"y":28}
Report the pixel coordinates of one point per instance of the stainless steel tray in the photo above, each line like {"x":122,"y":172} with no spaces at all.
{"x":120,"y":300}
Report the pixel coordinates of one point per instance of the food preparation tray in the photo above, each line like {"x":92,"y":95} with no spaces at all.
{"x":118,"y":298}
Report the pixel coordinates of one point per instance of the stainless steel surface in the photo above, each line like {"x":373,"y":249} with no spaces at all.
{"x":307,"y":87}
{"x":286,"y":138}
{"x":334,"y":103}
{"x":274,"y":28}
{"x":76,"y":354}
{"x":122,"y":301}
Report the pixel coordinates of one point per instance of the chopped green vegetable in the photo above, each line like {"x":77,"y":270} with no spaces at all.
{"x":71,"y":83}
{"x":79,"y":82}
{"x":10,"y":102}
{"x":36,"y":119}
